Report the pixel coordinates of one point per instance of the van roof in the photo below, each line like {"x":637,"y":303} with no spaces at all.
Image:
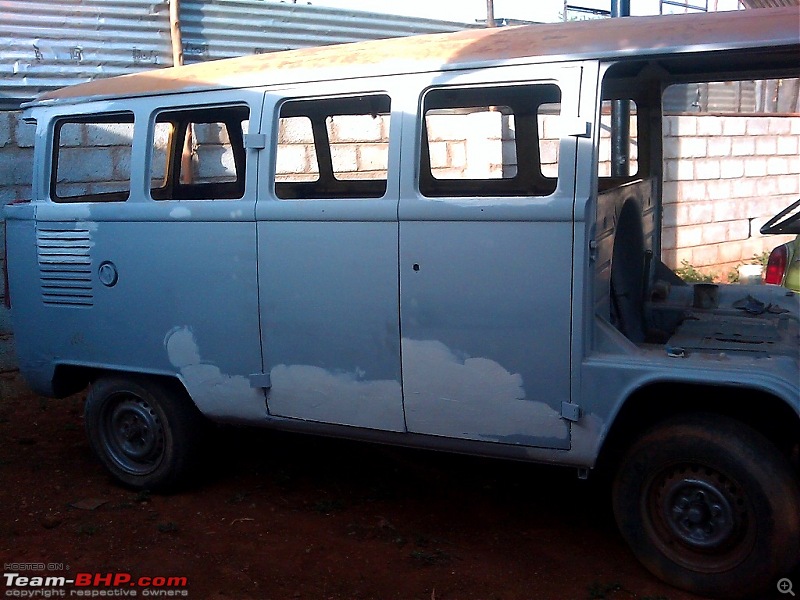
{"x":629,"y":37}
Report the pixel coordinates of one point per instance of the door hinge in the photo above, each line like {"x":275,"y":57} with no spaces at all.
{"x":570,"y":412}
{"x":255,"y":141}
{"x":592,"y":250}
{"x":260,"y":380}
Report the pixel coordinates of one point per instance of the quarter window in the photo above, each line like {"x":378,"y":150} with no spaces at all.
{"x":624,"y":129}
{"x":92,"y":159}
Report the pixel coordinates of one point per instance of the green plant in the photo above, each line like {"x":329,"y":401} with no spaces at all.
{"x":690,"y":274}
{"x":760,"y":259}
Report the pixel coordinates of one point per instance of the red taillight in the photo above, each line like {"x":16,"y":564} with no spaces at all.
{"x":776,"y":265}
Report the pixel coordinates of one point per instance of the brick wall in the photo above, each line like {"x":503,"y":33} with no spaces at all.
{"x":724,"y":177}
{"x":16,"y":166}
{"x":16,"y":161}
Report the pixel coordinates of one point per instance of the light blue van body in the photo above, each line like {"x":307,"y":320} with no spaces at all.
{"x":475,"y":323}
{"x":420,"y":242}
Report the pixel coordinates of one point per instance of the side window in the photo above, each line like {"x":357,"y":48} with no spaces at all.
{"x":622,"y":126}
{"x":333,"y":148}
{"x":490,"y":141}
{"x":199,"y":154}
{"x":92,"y":159}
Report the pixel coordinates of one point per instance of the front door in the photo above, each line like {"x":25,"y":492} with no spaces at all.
{"x":486,"y":238}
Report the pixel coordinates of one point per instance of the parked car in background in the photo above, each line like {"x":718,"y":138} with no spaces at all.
{"x":783,"y":266}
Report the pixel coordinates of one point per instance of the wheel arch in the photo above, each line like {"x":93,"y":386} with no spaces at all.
{"x":768,"y":414}
{"x":70,"y":379}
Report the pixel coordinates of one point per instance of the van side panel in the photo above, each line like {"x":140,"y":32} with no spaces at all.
{"x":30,"y":332}
{"x":184,"y":303}
{"x":329,"y":297}
{"x":486,"y":330}
{"x":133,"y":281}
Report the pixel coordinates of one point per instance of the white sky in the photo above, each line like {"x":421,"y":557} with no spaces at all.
{"x":469,"y":11}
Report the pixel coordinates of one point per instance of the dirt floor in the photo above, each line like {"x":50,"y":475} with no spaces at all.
{"x":278,"y":516}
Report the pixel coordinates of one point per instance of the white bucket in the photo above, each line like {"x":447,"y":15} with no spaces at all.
{"x":750,"y":274}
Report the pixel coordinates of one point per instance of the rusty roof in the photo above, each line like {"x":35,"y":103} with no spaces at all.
{"x":610,"y":38}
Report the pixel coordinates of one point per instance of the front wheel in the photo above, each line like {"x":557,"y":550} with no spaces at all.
{"x":709,"y":505}
{"x":145,"y":433}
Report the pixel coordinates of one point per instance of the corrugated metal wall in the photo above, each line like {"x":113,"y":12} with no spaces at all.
{"x":50,"y":44}
{"x":46,"y":44}
{"x":763,"y":96}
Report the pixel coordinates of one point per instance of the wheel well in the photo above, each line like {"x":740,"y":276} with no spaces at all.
{"x":71,"y":379}
{"x":765,"y":413}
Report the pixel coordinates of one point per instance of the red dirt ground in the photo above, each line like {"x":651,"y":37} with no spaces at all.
{"x":278,"y":516}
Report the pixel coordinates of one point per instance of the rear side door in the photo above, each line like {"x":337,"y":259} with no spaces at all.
{"x":486,"y":241}
{"x":327,"y":253}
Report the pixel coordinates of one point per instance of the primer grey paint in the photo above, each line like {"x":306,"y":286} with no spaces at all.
{"x":464,"y":323}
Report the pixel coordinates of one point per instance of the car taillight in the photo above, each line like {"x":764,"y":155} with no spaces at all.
{"x":776,"y":265}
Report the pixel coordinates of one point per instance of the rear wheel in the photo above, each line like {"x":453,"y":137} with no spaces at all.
{"x":144,"y":432}
{"x":711,"y":506}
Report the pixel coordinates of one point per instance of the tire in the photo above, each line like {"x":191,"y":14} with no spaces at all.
{"x":145,"y":433}
{"x":709,"y":505}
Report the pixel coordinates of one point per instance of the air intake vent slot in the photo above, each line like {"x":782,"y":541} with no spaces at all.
{"x":65,"y":266}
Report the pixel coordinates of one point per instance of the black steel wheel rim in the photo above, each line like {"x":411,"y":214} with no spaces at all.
{"x":699,"y":517}
{"x":132,"y":433}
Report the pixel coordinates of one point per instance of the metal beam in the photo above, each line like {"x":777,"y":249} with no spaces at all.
{"x":620,"y":113}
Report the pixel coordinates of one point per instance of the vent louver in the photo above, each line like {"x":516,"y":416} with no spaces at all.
{"x":65,"y":266}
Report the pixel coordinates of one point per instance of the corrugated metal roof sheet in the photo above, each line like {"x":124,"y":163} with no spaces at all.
{"x":629,"y":37}
{"x":771,"y":4}
{"x":48,"y":44}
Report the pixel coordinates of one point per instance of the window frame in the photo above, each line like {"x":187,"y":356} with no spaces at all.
{"x":175,"y":190}
{"x":327,"y":186}
{"x":58,"y":123}
{"x":521,"y":185}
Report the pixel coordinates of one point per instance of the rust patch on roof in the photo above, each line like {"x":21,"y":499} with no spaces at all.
{"x":629,"y":36}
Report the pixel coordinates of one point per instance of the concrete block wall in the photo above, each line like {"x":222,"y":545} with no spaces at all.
{"x":359,"y":148}
{"x":16,"y":161}
{"x":94,"y":158}
{"x":725,"y":177}
{"x":16,"y":172}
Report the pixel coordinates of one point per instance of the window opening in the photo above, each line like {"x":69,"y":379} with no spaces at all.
{"x":92,"y":159}
{"x":199,"y":154}
{"x":490,"y":141}
{"x":333,"y":148}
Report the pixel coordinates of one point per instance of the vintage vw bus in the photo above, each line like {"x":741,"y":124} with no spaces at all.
{"x":415,"y":241}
